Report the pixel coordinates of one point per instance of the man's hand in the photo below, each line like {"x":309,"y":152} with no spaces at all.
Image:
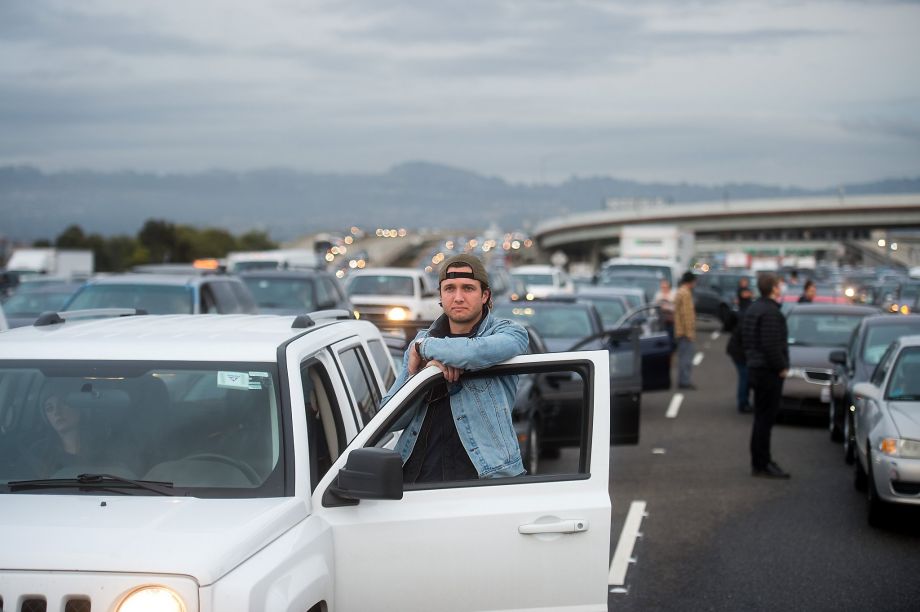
{"x":451,"y":374}
{"x":783,"y":373}
{"x":416,"y":362}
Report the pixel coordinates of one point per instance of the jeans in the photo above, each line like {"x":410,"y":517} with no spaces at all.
{"x":744,"y":389}
{"x":685,"y":352}
{"x":768,"y":391}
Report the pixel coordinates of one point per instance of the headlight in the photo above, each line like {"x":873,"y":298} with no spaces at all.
{"x":795,"y":373}
{"x":850,"y":292}
{"x":896,"y":447}
{"x":397,"y":314}
{"x":152,"y":599}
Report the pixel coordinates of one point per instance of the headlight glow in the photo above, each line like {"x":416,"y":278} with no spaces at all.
{"x":152,"y":599}
{"x":850,"y":292}
{"x":397,"y":314}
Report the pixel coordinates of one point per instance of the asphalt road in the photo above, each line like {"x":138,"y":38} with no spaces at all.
{"x":716,"y":538}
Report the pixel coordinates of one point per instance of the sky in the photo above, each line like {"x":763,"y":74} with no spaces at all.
{"x":785,"y":92}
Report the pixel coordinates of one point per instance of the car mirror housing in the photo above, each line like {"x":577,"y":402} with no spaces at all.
{"x":864,"y":389}
{"x":838,"y":356}
{"x":369,"y":473}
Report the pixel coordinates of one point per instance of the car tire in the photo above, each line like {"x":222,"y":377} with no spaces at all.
{"x":849,"y":443}
{"x":877,"y":508}
{"x":533,"y":448}
{"x":859,"y":480}
{"x":833,"y":426}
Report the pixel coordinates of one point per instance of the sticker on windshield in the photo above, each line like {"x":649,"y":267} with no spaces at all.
{"x":233,"y":380}
{"x":255,"y":380}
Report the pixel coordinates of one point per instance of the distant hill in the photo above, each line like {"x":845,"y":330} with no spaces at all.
{"x":287,"y":203}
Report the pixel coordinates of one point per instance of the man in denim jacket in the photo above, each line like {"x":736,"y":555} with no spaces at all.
{"x":463,"y":431}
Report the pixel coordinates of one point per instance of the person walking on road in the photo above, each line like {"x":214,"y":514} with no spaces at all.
{"x":664,"y":299}
{"x":735,"y":350}
{"x":809,"y":291}
{"x":766,"y":349}
{"x":744,"y":294}
{"x":685,"y":329}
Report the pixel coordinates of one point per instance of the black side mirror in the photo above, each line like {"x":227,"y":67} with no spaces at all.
{"x":369,"y":473}
{"x":838,"y":356}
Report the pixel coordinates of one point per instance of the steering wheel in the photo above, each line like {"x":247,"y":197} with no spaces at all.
{"x":242,"y":466}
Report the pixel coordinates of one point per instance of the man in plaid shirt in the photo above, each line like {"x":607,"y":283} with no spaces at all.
{"x":685,"y":329}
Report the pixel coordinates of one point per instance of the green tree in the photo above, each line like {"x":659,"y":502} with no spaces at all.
{"x":255,"y":240}
{"x":72,"y":238}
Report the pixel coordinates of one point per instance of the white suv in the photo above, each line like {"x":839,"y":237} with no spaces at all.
{"x":203,"y":462}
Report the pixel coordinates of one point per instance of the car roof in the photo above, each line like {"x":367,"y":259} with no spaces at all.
{"x":890,"y":319}
{"x":289,"y":273}
{"x":911,"y":341}
{"x":844,"y":309}
{"x":253,"y":338}
{"x":157,"y":279}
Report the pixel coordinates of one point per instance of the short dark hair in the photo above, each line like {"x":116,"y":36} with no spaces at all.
{"x":808,"y":283}
{"x":687,"y":277}
{"x":766,"y":281}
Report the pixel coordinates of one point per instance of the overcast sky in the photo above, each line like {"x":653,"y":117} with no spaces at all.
{"x":785,"y":92}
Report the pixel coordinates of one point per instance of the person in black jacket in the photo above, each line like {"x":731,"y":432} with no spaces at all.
{"x":735,"y":350}
{"x":766,"y":350}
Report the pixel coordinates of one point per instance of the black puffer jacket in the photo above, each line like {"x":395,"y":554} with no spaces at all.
{"x":764,"y":336}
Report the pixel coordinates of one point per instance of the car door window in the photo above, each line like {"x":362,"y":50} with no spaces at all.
{"x":325,"y":429}
{"x":244,"y":300}
{"x":225,"y":299}
{"x":551,"y":416}
{"x":363,"y":386}
{"x":207,"y":300}
{"x":382,"y":361}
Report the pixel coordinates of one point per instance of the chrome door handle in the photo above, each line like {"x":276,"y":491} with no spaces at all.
{"x":566,"y":526}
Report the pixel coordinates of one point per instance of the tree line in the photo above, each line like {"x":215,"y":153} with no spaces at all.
{"x":158,"y":241}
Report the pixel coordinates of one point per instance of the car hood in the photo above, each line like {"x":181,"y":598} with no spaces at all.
{"x":202,"y":538}
{"x":810,"y":357}
{"x":906,"y":417}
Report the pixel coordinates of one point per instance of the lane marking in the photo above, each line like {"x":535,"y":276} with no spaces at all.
{"x":622,"y":556}
{"x":716,"y":334}
{"x":698,"y":359}
{"x":674,"y":406}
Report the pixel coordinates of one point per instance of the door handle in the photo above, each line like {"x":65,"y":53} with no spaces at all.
{"x":565,"y":526}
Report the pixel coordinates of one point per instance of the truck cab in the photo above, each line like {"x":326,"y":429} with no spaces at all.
{"x":244,"y":463}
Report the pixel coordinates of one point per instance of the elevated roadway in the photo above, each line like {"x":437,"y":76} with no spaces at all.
{"x":812,"y":223}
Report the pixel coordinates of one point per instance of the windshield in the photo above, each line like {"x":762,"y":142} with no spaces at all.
{"x":821,"y":329}
{"x":904,"y":384}
{"x":35,"y":302}
{"x":550,"y":320}
{"x":381,"y":284}
{"x":648,"y":284}
{"x":211,"y":429}
{"x":264,"y":264}
{"x":155,"y":299}
{"x":880,"y":336}
{"x":611,"y":311}
{"x":282,"y":292}
{"x":535,"y":279}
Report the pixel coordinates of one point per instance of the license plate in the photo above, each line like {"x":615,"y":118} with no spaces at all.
{"x":826,"y":395}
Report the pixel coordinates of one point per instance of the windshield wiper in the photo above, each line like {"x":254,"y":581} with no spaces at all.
{"x":92,"y":480}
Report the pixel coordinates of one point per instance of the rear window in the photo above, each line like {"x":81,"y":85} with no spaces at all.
{"x":551,"y":321}
{"x":819,"y":329}
{"x":879,"y":337}
{"x":155,"y":299}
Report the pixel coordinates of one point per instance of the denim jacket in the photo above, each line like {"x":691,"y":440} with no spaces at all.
{"x":481,"y":407}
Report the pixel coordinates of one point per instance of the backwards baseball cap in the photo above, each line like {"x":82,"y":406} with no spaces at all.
{"x":464,"y":259}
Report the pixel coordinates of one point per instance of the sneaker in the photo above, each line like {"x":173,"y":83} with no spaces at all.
{"x":771,"y":471}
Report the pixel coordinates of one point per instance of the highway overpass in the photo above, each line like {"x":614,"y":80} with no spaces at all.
{"x":817,"y":224}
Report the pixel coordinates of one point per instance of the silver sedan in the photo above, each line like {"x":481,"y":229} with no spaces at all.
{"x":887,"y":430}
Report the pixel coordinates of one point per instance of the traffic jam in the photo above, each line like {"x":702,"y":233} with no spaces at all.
{"x":259,"y":404}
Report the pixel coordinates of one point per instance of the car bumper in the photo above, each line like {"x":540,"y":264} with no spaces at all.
{"x":897,"y":479}
{"x":795,"y":388}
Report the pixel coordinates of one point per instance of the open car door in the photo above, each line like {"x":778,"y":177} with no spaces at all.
{"x":518,"y":543}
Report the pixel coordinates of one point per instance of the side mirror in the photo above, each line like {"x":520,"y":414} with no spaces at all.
{"x":838,"y":356}
{"x":369,"y":473}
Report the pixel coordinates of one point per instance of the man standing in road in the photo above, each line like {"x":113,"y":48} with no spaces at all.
{"x":464,"y":430}
{"x":685,"y":329}
{"x":766,"y":350}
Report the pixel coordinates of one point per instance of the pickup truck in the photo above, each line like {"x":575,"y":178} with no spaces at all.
{"x":238,"y":462}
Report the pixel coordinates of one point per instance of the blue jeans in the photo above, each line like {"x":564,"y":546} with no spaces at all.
{"x":685,"y":352}
{"x":744,"y":390}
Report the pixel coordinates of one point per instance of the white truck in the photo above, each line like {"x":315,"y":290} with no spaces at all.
{"x":242,"y":463}
{"x":65,"y":263}
{"x":386,"y":295}
{"x":658,"y":242}
{"x":275,"y":259}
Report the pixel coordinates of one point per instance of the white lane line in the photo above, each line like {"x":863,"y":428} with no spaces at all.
{"x":622,"y":556}
{"x":674,"y":406}
{"x":698,"y":359}
{"x":716,"y":334}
